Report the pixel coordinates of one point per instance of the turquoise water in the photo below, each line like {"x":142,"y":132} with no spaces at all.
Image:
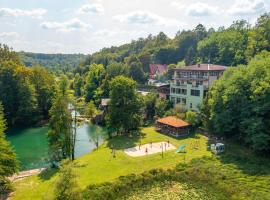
{"x":31,"y":144}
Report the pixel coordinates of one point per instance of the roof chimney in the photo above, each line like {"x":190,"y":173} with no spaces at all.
{"x":199,"y":65}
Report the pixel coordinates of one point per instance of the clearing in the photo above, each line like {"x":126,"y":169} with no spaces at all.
{"x":150,"y":148}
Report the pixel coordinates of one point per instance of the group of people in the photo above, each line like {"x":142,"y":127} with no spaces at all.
{"x":161,"y":146}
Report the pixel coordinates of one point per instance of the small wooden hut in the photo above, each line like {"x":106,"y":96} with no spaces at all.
{"x":173,"y":126}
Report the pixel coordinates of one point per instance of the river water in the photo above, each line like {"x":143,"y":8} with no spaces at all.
{"x":31,"y":144}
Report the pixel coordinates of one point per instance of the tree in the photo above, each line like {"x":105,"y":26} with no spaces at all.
{"x":150,"y":102}
{"x":161,"y":107}
{"x":116,"y":69}
{"x":97,"y":135}
{"x":18,"y":95}
{"x":60,"y":135}
{"x":125,"y":109}
{"x":94,"y":79}
{"x":66,"y":187}
{"x":44,"y":84}
{"x":8,"y":161}
{"x":90,"y":110}
{"x":78,"y":85}
{"x":259,"y":37}
{"x":7,"y":54}
{"x":136,"y":72}
{"x":192,"y":118}
{"x":238,"y":104}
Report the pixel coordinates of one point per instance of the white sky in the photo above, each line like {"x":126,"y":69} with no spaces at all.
{"x":85,"y":26}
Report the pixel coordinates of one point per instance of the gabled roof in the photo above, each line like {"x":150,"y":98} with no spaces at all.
{"x":157,"y":68}
{"x":173,"y":121}
{"x":204,"y":67}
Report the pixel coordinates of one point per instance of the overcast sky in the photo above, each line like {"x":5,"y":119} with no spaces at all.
{"x":85,"y":26}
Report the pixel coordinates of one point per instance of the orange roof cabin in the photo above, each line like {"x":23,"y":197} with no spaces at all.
{"x":173,"y":126}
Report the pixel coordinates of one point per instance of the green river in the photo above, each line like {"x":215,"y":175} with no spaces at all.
{"x":31,"y":144}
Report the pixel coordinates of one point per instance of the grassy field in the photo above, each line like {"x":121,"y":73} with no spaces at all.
{"x":174,"y":191}
{"x":237,"y":174}
{"x":100,"y":166}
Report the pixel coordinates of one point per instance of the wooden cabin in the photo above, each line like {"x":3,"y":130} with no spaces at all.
{"x":173,"y":126}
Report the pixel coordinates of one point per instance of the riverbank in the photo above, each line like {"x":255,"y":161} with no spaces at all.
{"x":27,"y":173}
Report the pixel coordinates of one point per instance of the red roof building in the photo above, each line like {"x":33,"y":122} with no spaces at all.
{"x":157,"y":69}
{"x":173,"y":126}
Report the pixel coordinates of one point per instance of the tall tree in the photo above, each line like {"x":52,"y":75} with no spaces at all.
{"x":78,"y":85}
{"x":94,"y":79}
{"x":60,"y":135}
{"x":8,"y":161}
{"x":44,"y":84}
{"x":125,"y":113}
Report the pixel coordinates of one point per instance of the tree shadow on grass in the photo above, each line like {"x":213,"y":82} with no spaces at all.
{"x":48,"y":174}
{"x":120,"y":142}
{"x":243,"y":159}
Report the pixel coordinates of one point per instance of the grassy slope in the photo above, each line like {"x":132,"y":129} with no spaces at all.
{"x":175,"y":191}
{"x":238,"y":172}
{"x":100,"y":166}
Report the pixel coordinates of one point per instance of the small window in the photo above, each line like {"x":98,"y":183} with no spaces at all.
{"x":195,"y":93}
{"x":184,"y":101}
{"x":190,"y":106}
{"x":184,"y":91}
{"x":178,"y":100}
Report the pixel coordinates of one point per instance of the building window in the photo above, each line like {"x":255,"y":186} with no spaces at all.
{"x":173,"y":99}
{"x":178,"y":91}
{"x":184,"y":101}
{"x":178,"y":100}
{"x":173,"y":90}
{"x":190,"y":106}
{"x":184,"y":91}
{"x":195,"y":93}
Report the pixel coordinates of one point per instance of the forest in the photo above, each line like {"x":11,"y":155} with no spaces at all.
{"x":54,"y":62}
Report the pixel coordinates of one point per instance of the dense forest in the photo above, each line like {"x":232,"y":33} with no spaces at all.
{"x":53,"y":62}
{"x":230,"y":46}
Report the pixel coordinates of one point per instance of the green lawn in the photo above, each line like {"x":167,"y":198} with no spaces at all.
{"x":100,"y":166}
{"x":238,"y":173}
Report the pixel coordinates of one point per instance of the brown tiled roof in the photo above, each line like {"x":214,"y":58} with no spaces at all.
{"x":173,"y":121}
{"x":157,"y":67}
{"x":204,"y":67}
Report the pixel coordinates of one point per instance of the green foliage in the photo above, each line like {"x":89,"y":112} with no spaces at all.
{"x":90,"y":110}
{"x":150,"y":102}
{"x":232,"y":46}
{"x":44,"y":84}
{"x":8,"y":160}
{"x":60,"y":135}
{"x":116,"y":69}
{"x":57,"y":63}
{"x":66,"y":187}
{"x":192,"y":118}
{"x":25,"y":93}
{"x":125,"y":109}
{"x":94,"y":80}
{"x":78,"y":85}
{"x":7,"y":54}
{"x":238,"y":104}
{"x":161,"y":106}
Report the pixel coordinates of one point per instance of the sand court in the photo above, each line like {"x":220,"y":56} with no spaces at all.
{"x":149,"y":148}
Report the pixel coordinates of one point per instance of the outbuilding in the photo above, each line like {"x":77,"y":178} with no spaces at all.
{"x":173,"y":126}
